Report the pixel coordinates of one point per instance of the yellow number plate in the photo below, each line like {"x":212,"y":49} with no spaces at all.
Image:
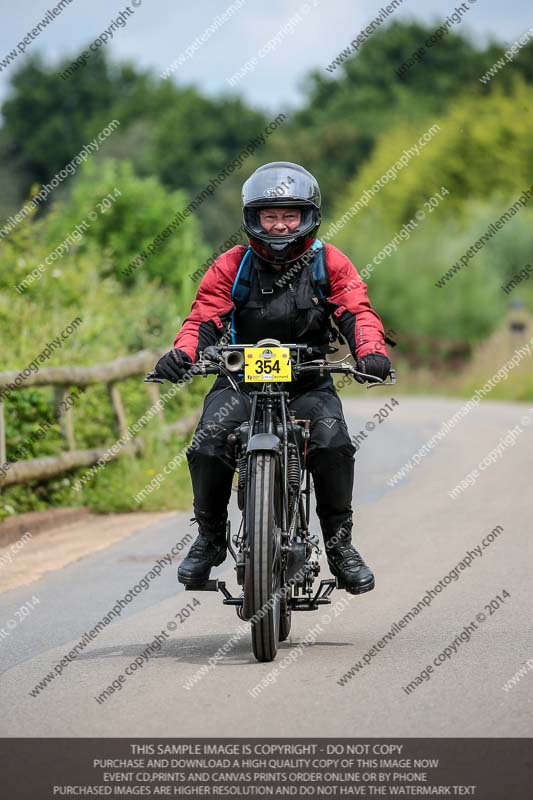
{"x":262,"y":364}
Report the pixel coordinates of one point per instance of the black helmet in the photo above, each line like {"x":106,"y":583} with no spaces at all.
{"x":281,"y":183}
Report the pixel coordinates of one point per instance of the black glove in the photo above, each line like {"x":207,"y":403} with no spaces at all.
{"x":173,"y":365}
{"x":211,"y":353}
{"x":373,"y":364}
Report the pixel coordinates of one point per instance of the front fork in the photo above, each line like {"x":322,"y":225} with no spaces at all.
{"x":297,"y":543}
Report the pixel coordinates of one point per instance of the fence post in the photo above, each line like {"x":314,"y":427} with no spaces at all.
{"x":64,"y":415}
{"x":155,"y":395}
{"x":118,"y":410}
{"x":2,"y":434}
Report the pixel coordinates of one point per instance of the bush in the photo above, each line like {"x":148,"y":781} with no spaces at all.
{"x":117,"y":318}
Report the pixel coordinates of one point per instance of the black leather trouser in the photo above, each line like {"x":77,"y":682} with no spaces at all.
{"x":330,"y":456}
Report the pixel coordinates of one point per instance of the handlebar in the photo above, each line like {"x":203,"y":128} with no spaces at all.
{"x":196,"y":369}
{"x":209,"y":366}
{"x":215,"y":360}
{"x":347,"y":369}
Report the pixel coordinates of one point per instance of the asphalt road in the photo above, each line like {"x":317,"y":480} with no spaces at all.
{"x":413,"y":535}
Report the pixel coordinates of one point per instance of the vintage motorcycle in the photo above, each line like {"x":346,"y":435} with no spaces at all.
{"x":276,"y":555}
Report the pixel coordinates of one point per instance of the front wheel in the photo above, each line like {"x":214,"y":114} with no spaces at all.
{"x":262,"y":581}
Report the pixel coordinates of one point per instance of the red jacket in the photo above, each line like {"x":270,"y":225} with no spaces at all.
{"x":350,"y":306}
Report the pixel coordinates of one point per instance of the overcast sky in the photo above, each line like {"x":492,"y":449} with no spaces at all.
{"x":158,"y":31}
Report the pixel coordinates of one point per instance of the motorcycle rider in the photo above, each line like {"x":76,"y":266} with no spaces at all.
{"x":281,"y":211}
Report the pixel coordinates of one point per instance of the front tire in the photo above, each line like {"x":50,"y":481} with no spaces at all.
{"x":263,"y":569}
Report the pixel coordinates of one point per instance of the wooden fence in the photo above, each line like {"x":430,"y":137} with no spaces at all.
{"x":61,"y":378}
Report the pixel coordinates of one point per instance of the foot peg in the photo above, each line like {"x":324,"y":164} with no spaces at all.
{"x":215,"y":585}
{"x":212,"y":585}
{"x":322,"y":597}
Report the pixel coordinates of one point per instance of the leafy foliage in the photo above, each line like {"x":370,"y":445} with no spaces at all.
{"x":172,"y":132}
{"x":117,"y":318}
{"x":138,"y":210}
{"x":483,"y":148}
{"x":402,"y":285}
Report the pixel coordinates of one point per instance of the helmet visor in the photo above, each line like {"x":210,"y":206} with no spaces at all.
{"x":280,"y":185}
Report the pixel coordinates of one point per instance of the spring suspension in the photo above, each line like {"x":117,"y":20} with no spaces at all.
{"x":241,"y":465}
{"x":293,"y":468}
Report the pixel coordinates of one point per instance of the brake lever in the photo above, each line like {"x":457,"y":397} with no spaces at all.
{"x":151,"y":377}
{"x":378,"y":382}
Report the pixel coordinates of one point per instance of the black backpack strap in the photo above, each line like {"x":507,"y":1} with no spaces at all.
{"x":319,"y":276}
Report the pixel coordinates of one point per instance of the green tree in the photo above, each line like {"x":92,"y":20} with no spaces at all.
{"x":346,"y":111}
{"x":483,"y":146}
{"x":140,"y":209}
{"x":482,"y":154}
{"x":171,"y":131}
{"x":48,"y":120}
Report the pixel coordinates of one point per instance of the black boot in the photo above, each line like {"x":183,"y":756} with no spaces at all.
{"x":208,"y":550}
{"x":345,"y":563}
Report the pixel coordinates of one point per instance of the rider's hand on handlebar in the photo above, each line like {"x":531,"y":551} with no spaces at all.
{"x":174,"y":365}
{"x":210,"y":353}
{"x":375,"y":365}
